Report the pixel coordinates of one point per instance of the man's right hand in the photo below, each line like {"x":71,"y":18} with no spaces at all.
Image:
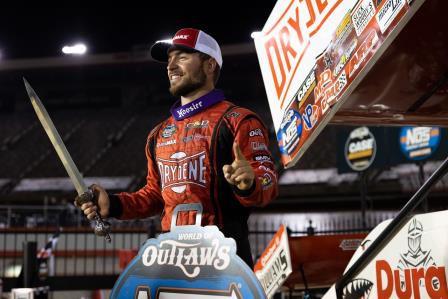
{"x":101,"y":201}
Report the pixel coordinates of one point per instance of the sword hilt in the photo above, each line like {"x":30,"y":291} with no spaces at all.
{"x":102,"y":228}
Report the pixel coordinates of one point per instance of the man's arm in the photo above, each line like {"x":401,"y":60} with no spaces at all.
{"x":252,"y":173}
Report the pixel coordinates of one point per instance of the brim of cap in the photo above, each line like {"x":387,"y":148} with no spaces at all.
{"x":159,"y":51}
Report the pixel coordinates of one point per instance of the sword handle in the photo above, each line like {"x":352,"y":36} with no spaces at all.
{"x":102,"y":228}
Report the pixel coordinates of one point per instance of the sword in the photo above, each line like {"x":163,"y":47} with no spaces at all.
{"x":84,"y":194}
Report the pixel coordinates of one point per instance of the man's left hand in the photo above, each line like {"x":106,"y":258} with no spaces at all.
{"x":239,"y":173}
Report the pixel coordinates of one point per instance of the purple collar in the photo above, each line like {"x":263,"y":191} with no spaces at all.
{"x":190,"y":109}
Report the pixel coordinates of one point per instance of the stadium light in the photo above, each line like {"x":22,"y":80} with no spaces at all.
{"x":77,"y":49}
{"x":255,"y":34}
{"x":166,"y":41}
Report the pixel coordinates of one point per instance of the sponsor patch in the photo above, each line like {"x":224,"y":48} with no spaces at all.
{"x":416,"y":271}
{"x":290,"y":131}
{"x":350,"y":244}
{"x":360,"y":149}
{"x":262,"y":158}
{"x":182,"y":112}
{"x":362,"y":14}
{"x":306,"y":88}
{"x":165,"y":143}
{"x":310,"y":116}
{"x":180,"y":170}
{"x":169,"y":130}
{"x":256,"y":132}
{"x":259,"y":146}
{"x":418,"y":143}
{"x":344,"y":30}
{"x":388,"y":12}
{"x":197,"y":125}
{"x":363,"y":50}
{"x":345,"y":58}
{"x":194,"y":137}
{"x":327,"y":90}
{"x":233,"y":114}
{"x":266,"y":181}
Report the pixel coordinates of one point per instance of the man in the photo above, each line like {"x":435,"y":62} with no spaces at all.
{"x":208,"y":151}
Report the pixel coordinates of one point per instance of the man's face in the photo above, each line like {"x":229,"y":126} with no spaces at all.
{"x":185,"y":72}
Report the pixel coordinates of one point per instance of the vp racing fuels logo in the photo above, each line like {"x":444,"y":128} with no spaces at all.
{"x":180,"y":170}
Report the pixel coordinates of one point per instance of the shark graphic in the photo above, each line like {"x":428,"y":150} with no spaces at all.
{"x":358,"y":288}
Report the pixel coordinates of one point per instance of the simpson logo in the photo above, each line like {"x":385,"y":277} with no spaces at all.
{"x":417,"y":274}
{"x":306,"y":88}
{"x":310,"y":116}
{"x":169,"y":130}
{"x":388,"y":12}
{"x":165,"y":143}
{"x":362,"y":14}
{"x":197,"y":125}
{"x":256,"y":132}
{"x":181,"y":170}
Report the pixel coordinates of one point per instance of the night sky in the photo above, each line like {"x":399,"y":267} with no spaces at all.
{"x":33,"y":32}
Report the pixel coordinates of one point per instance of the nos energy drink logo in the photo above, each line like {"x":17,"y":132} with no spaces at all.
{"x":190,"y":262}
{"x":290,"y":132}
{"x":418,"y":143}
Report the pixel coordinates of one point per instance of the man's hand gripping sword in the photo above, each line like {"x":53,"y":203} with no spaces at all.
{"x":84,"y":194}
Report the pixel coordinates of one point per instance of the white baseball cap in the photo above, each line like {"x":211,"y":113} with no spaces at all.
{"x":187,"y":38}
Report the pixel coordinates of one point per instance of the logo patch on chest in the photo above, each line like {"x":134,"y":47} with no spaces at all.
{"x":180,"y":170}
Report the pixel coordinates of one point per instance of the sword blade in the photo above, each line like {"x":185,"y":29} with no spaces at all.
{"x":56,"y":140}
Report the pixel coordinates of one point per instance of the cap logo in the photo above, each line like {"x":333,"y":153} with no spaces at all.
{"x":181,"y":36}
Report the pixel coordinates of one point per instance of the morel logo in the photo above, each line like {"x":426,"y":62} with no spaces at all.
{"x":180,"y":170}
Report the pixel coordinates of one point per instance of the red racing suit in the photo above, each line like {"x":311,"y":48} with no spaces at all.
{"x":185,"y":160}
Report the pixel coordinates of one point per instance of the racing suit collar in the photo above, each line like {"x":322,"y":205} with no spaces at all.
{"x":196,"y":106}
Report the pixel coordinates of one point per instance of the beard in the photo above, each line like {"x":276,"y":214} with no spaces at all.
{"x":189,"y":84}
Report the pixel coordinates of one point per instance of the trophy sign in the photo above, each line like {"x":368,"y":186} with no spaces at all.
{"x":188,"y":262}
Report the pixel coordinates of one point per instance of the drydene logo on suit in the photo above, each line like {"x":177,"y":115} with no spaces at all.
{"x":180,"y":170}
